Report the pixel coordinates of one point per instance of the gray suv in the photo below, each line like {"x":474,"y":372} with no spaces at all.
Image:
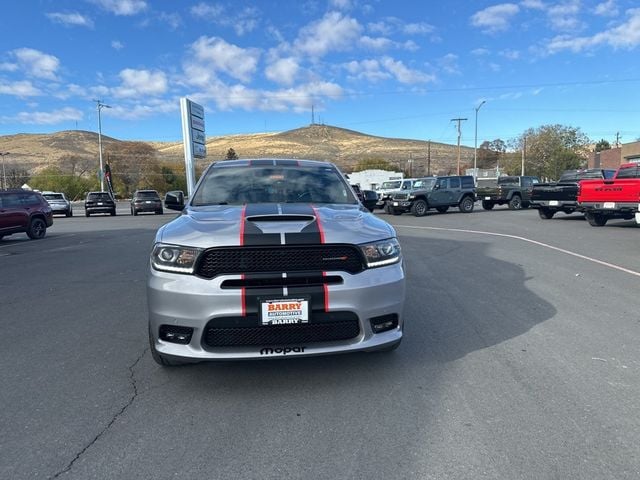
{"x":273,"y":258}
{"x":435,"y":192}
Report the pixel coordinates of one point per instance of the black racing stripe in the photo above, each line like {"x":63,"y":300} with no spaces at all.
{"x":309,"y":235}
{"x":263,"y":162}
{"x":287,"y":163}
{"x":315,"y":293}
{"x":253,"y":236}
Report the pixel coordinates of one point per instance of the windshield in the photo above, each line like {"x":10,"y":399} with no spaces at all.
{"x":100,"y":196}
{"x":273,"y":184}
{"x":147,"y":194}
{"x":53,"y":196}
{"x":391,"y":185}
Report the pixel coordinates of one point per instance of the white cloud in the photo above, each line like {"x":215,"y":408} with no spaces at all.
{"x":334,"y":32}
{"x":66,"y":114}
{"x":122,"y":7}
{"x":341,"y":4}
{"x":417,"y":28}
{"x":283,"y":71}
{"x":242,"y":22}
{"x":392,"y":25}
{"x":117,"y":45}
{"x":607,"y":9}
{"x":207,"y":11}
{"x":174,"y":20}
{"x":19,"y":89}
{"x":480,"y":52}
{"x":404,"y":74}
{"x":495,"y":18}
{"x":533,"y":4}
{"x":71,"y":19}
{"x":370,"y":70}
{"x":379,"y":43}
{"x":8,"y":67}
{"x":144,"y":110}
{"x":510,"y":54}
{"x":212,"y":55}
{"x":624,"y":36}
{"x":36,"y":63}
{"x":449,"y":63}
{"x":139,"y":83}
{"x":564,"y":16}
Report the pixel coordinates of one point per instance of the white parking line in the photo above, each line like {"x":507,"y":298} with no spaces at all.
{"x":528,"y":240}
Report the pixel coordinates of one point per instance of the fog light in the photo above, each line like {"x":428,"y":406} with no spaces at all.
{"x":175,"y":334}
{"x":384,"y":323}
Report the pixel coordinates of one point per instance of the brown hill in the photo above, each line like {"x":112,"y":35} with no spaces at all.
{"x":320,"y":142}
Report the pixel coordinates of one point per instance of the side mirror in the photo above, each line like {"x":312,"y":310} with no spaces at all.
{"x":369,"y":199}
{"x":174,"y":200}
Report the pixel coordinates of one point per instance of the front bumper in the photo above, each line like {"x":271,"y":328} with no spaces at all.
{"x":190,"y":301}
{"x":147,"y":207}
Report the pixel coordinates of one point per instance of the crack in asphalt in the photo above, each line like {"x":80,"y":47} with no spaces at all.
{"x":134,"y":384}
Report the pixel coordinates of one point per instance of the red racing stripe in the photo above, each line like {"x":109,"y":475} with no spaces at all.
{"x":324,"y":274}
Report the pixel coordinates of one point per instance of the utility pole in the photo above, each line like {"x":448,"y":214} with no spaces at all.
{"x":313,"y":115}
{"x":429,"y":158}
{"x":100,"y":106}
{"x":475,"y":147}
{"x":459,"y":135}
{"x":524,"y":149}
{"x":617,"y":139}
{"x":4,"y":176}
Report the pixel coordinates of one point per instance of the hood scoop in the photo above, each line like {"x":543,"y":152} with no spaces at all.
{"x":282,"y":223}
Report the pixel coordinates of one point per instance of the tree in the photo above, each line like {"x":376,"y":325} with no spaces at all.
{"x":134,"y":165}
{"x":373,"y":164}
{"x":602,"y":145}
{"x":489,"y":153}
{"x":16,"y":176}
{"x":231,"y":154}
{"x":550,"y":149}
{"x":54,"y":179}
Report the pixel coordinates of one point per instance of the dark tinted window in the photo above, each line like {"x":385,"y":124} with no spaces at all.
{"x":53,"y":196}
{"x":467,"y":182}
{"x":454,"y":182}
{"x":29,"y":198}
{"x":272,"y":184}
{"x":99,"y":197}
{"x":508,"y":181}
{"x":10,"y":200}
{"x":148,"y":194}
{"x":630,"y":172}
{"x":609,"y":173}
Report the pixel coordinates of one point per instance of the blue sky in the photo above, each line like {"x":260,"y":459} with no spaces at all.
{"x":390,"y":68}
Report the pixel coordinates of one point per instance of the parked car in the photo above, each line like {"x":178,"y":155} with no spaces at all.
{"x":435,"y":192}
{"x":514,"y":191}
{"x":551,"y":198}
{"x":368,"y":198}
{"x":60,"y":205}
{"x":146,"y":201}
{"x":273,"y":258}
{"x":24,"y":211}
{"x":99,"y":202}
{"x":602,"y":200}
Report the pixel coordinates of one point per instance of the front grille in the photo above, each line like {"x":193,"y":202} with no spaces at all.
{"x":286,"y":258}
{"x":401,"y":196}
{"x":276,"y":335}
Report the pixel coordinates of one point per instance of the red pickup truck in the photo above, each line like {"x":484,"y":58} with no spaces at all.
{"x":619,"y":197}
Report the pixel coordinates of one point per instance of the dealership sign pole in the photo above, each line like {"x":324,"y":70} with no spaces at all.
{"x":193,"y":137}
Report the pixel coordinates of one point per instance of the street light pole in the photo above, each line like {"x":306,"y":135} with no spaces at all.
{"x":100,"y":106}
{"x":475,"y":147}
{"x":4,"y":176}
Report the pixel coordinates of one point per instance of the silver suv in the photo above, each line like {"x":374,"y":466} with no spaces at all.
{"x":59,"y":203}
{"x":273,"y":258}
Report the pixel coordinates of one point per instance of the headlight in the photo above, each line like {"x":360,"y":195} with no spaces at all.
{"x":173,"y":258}
{"x":381,"y":253}
{"x":411,"y":197}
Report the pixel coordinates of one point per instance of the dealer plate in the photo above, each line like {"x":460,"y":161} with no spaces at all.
{"x":553,"y":203}
{"x":395,"y":204}
{"x":284,"y":311}
{"x":609,"y":205}
{"x":487,"y":198}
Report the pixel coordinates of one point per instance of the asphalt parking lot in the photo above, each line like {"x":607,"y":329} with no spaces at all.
{"x":520,"y":361}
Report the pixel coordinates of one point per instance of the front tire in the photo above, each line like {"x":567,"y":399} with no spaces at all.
{"x":419,"y":208}
{"x":37,"y":229}
{"x":466,"y":205}
{"x":487,"y":205}
{"x":596,"y":219}
{"x":515,"y":203}
{"x":545,"y":213}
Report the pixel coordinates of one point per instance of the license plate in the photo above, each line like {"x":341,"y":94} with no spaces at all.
{"x":100,"y":203}
{"x":395,"y":204}
{"x":553,"y":203}
{"x":148,"y":201}
{"x":487,"y":198}
{"x":285,"y":311}
{"x":609,"y":205}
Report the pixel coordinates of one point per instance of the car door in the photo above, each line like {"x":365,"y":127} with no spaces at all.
{"x":12,"y":213}
{"x":439,"y":193}
{"x":454,"y":190}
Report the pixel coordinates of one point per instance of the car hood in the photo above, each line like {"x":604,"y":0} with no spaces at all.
{"x":225,"y":225}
